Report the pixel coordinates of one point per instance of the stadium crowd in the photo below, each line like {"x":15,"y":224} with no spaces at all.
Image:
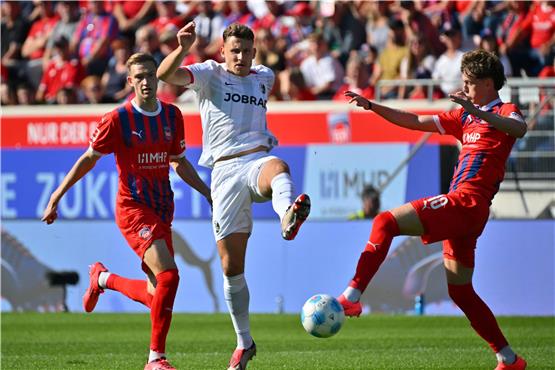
{"x":66,"y":52}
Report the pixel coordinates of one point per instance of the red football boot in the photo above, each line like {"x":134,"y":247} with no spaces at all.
{"x":93,"y":291}
{"x":353,"y":309}
{"x":519,"y":364}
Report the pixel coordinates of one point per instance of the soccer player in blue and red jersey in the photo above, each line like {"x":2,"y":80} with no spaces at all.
{"x":146,"y":137}
{"x":487,"y":129}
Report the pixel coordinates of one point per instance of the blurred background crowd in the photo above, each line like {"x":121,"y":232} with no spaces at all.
{"x":67,"y":52}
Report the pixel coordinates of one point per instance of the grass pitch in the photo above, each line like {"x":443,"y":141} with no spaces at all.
{"x":198,"y":341}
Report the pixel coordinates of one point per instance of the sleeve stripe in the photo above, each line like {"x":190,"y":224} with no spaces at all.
{"x":438,"y":124}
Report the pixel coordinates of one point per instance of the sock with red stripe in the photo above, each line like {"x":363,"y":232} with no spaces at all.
{"x":162,"y":307}
{"x":480,"y":316}
{"x":134,"y":289}
{"x":384,"y":229}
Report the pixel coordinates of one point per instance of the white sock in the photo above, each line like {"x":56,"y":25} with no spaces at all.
{"x":153,"y":356}
{"x":352,"y":294}
{"x":102,"y":279}
{"x":282,"y":193}
{"x":506,"y":355}
{"x":236,"y":293}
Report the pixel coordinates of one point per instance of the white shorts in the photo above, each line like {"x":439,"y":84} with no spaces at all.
{"x":234,"y":188}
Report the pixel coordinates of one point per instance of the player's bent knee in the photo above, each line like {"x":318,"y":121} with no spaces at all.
{"x":168,"y":278}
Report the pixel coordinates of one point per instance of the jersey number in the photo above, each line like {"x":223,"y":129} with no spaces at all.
{"x":436,"y":202}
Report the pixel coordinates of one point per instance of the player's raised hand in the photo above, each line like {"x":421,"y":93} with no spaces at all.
{"x":359,"y":100}
{"x":187,"y":35}
{"x":460,"y":97}
{"x":50,"y":213}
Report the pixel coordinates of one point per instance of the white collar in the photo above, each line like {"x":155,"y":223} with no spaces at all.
{"x":490,"y":105}
{"x":147,"y":113}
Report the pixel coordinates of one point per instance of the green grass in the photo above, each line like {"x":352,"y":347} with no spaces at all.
{"x":120,"y":341}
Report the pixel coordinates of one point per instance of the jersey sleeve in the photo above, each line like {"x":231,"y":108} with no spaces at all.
{"x":450,"y":123}
{"x":102,"y":140}
{"x":510,"y":110}
{"x":178,"y":145}
{"x":200,"y":73}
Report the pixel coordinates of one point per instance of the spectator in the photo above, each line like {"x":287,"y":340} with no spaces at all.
{"x":131,"y":15}
{"x":266,"y":51}
{"x":448,"y":66}
{"x":147,"y":41}
{"x":483,"y":15}
{"x":91,"y":88}
{"x":542,"y":38}
{"x":418,"y":24}
{"x":515,"y":36}
{"x":377,"y":28}
{"x":322,"y":73}
{"x":419,"y":64}
{"x":62,"y":71}
{"x":34,"y":46}
{"x":95,"y":31}
{"x":357,"y":79}
{"x":370,"y":204}
{"x":66,"y":95}
{"x":68,"y":13}
{"x":210,"y":26}
{"x":343,"y":31}
{"x":13,"y":32}
{"x":25,"y":94}
{"x":114,"y":80}
{"x":239,"y":13}
{"x":168,"y":19}
{"x":389,"y":61}
{"x":488,"y":42}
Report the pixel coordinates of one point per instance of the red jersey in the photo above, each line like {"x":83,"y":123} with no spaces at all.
{"x":143,"y":144}
{"x":481,"y":164}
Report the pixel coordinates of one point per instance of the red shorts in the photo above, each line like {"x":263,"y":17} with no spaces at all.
{"x":141,"y":226}
{"x":456,"y":218}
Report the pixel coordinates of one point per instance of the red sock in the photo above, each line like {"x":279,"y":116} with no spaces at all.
{"x":384,"y":229}
{"x":480,"y":316}
{"x":162,"y":307}
{"x":134,"y":289}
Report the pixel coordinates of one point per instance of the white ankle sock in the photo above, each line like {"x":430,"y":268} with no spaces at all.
{"x":352,"y":294}
{"x":506,"y":355}
{"x":282,"y":193}
{"x":153,"y":356}
{"x":102,"y":279}
{"x":236,"y":293}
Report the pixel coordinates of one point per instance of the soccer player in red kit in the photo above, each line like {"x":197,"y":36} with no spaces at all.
{"x":487,"y":128}
{"x":146,"y":137}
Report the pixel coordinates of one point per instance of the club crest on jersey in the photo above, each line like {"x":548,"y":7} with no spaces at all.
{"x":145,"y":233}
{"x":263,"y":88}
{"x":216,"y":226}
{"x":167,"y":133}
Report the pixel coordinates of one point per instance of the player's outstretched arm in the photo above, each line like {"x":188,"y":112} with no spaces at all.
{"x":81,"y":167}
{"x":508,"y":125}
{"x":396,"y":116}
{"x":187,"y":172}
{"x":169,"y":71}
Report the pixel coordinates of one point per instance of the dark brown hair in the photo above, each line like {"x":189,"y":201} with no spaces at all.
{"x":238,"y":30}
{"x":140,"y":58}
{"x":481,"y":64}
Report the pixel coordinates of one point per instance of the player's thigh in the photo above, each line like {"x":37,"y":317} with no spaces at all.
{"x":407,"y":220}
{"x":232,"y":250}
{"x":158,"y":257}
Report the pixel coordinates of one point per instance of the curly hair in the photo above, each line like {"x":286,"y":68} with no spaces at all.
{"x":481,"y":64}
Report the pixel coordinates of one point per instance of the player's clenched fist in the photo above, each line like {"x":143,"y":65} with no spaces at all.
{"x":187,"y":35}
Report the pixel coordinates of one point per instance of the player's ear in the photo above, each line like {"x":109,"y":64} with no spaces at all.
{"x":129,"y":80}
{"x":222,"y":52}
{"x":253,"y":53}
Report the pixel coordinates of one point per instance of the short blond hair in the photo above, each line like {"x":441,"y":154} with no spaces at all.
{"x":140,"y":58}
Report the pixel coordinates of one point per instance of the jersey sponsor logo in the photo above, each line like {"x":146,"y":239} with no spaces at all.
{"x":145,"y":233}
{"x":471,"y":137}
{"x":245,"y":99}
{"x":139,"y":134}
{"x":150,"y":158}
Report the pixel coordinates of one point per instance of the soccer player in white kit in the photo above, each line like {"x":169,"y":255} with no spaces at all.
{"x":235,"y":144}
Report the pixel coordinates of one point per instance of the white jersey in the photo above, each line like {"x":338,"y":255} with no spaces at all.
{"x":232,"y":109}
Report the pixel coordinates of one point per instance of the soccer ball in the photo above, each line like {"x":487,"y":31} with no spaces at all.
{"x":322,"y":316}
